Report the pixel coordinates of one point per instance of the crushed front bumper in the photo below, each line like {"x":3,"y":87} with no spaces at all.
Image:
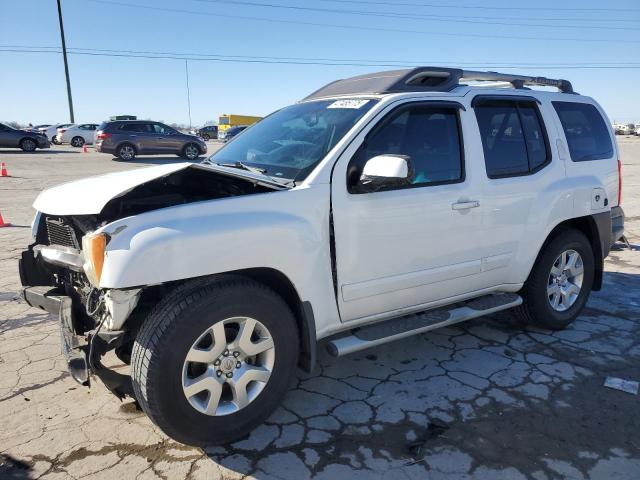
{"x":81,"y":351}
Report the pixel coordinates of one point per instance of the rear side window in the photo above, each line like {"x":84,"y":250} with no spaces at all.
{"x":134,"y":127}
{"x":513,"y":138}
{"x":586,"y":131}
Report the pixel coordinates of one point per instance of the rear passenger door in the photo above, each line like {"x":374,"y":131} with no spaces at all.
{"x":521,"y":184}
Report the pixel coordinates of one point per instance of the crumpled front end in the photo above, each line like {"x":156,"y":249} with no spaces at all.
{"x":53,"y":273}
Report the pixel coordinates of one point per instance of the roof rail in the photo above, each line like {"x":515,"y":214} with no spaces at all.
{"x":518,"y":81}
{"x":428,"y":79}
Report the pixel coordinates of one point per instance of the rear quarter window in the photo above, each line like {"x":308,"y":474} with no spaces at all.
{"x":585,"y":130}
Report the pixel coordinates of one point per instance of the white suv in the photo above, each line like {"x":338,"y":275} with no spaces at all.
{"x":379,"y":207}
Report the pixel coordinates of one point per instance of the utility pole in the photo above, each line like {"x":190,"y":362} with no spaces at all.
{"x":186,"y":69}
{"x":66,"y":65}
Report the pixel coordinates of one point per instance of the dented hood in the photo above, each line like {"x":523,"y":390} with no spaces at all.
{"x":90,"y":195}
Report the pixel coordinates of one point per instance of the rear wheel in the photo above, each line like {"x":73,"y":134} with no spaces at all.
{"x":560,"y":282}
{"x":126,"y":152}
{"x":214,"y":359}
{"x":206,"y":136}
{"x":191,"y":151}
{"x":77,"y":141}
{"x":28,"y":145}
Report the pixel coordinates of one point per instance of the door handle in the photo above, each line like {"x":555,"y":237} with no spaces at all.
{"x":465,"y":205}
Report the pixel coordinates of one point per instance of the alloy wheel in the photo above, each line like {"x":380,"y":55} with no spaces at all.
{"x":228,"y":366}
{"x":565,"y":280}
{"x":191,"y":151}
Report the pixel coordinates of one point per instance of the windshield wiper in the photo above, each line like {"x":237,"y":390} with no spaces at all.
{"x":243,"y":166}
{"x":261,"y":171}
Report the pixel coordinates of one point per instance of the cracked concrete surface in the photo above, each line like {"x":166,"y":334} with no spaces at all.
{"x":489,"y":399}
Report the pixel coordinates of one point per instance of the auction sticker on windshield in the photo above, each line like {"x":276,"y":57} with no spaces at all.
{"x":349,"y":103}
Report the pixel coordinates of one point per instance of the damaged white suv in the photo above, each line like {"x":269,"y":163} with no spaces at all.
{"x":379,"y":207}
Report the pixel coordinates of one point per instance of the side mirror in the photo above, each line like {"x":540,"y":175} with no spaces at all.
{"x":386,"y":171}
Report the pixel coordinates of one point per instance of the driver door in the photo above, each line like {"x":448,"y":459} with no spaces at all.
{"x":406,"y":246}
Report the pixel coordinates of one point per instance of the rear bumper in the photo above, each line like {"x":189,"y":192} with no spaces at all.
{"x":617,"y":224}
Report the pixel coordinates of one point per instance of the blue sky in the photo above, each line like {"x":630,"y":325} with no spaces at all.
{"x":32,"y":87}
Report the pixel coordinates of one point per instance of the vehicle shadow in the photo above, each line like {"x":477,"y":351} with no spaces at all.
{"x":461,"y":398}
{"x":40,"y":151}
{"x":13,"y":468}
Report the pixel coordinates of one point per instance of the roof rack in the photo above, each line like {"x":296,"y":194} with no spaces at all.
{"x":428,"y":79}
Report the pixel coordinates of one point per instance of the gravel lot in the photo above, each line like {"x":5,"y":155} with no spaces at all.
{"x":490,"y":399}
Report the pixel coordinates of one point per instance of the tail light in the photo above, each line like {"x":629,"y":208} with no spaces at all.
{"x":103,"y":136}
{"x":619,"y":182}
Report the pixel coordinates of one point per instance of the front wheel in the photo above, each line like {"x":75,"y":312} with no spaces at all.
{"x":77,"y":142}
{"x":560,"y":282}
{"x":28,"y":145}
{"x":191,"y":151}
{"x":214,"y":359}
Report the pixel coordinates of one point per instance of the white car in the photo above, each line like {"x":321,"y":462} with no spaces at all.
{"x":51,"y":132}
{"x":377,"y":208}
{"x":77,"y":135}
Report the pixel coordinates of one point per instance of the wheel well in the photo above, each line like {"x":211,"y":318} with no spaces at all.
{"x":588,"y":227}
{"x":302,"y":311}
{"x":274,"y":279}
{"x":27,"y":138}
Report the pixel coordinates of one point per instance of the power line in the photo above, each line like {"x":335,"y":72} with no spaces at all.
{"x":372,"y":61}
{"x":182,"y":57}
{"x":482,"y":7}
{"x":356,"y":27}
{"x":405,"y":16}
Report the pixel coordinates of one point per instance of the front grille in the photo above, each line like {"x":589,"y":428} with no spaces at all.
{"x":60,"y":233}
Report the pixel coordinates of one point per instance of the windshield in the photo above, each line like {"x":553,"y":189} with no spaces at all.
{"x":291,"y":142}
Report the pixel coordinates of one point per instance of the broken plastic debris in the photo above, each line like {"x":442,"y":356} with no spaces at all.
{"x":623,"y":385}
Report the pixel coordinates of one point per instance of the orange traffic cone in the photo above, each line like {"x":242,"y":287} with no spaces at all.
{"x":2,"y":224}
{"x":85,"y":149}
{"x":3,"y":170}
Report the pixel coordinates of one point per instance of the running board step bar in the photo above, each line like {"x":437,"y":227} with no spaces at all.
{"x":397,"y":328}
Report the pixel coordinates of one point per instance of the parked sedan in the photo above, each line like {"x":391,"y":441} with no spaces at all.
{"x":77,"y":135}
{"x":127,"y":138}
{"x":15,"y":138}
{"x":52,"y":131}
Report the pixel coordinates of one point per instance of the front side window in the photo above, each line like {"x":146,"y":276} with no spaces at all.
{"x":513,"y":138}
{"x":429,"y":136}
{"x":586,"y":131}
{"x":291,"y":142}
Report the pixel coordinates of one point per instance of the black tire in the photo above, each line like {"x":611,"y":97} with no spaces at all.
{"x":536,"y":307}
{"x":126,"y":152}
{"x":170,"y":330}
{"x":206,"y":137}
{"x":189,"y":151}
{"x":54,"y":140}
{"x":77,"y":142}
{"x":28,"y":145}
